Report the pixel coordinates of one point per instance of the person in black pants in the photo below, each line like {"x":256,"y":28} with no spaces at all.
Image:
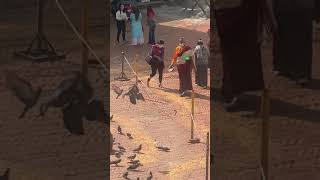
{"x":121,"y":17}
{"x":157,"y":61}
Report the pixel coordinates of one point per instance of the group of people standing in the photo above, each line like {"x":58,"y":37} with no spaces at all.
{"x":134,"y":16}
{"x":239,"y":26}
{"x":186,"y":59}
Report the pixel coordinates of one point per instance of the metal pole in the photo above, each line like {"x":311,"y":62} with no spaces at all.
{"x":207,"y":158}
{"x":265,"y":108}
{"x":84,"y":29}
{"x":192,"y":113}
{"x":136,"y":68}
{"x":122,"y":63}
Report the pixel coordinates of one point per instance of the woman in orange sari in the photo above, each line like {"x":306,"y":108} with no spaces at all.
{"x":183,"y":59}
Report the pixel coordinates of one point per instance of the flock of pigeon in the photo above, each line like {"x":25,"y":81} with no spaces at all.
{"x":74,"y":96}
{"x":133,"y":93}
{"x":132,"y":161}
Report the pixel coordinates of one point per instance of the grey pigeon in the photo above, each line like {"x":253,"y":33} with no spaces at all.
{"x":129,"y":136}
{"x":119,"y":130}
{"x":140,"y":97}
{"x":138,"y":149}
{"x":125,"y":175}
{"x":118,"y":154}
{"x":72,"y":118}
{"x":163,"y":148}
{"x":74,"y":89}
{"x":23,"y":90}
{"x":116,"y":162}
{"x":134,"y":162}
{"x":117,"y":90}
{"x":150,"y":176}
{"x":95,"y":111}
{"x":5,"y":175}
{"x":132,"y":157}
{"x":133,"y":98}
{"x":133,"y":166}
{"x":121,"y":148}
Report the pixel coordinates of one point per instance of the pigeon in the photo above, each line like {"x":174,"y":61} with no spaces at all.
{"x":134,"y":162}
{"x":121,"y":148}
{"x":161,"y":147}
{"x":125,"y":175}
{"x":175,"y":112}
{"x":133,"y":98}
{"x":76,"y":88}
{"x":138,"y":149}
{"x":133,"y":166}
{"x":72,"y":118}
{"x":140,"y":97}
{"x":132,"y":157}
{"x":5,"y":176}
{"x":117,"y":90}
{"x":120,"y":130}
{"x":129,"y":136}
{"x":116,"y":162}
{"x":23,"y":90}
{"x":150,"y":176}
{"x":118,"y":154}
{"x":95,"y":111}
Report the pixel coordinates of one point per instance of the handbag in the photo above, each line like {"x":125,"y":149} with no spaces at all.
{"x":148,"y":59}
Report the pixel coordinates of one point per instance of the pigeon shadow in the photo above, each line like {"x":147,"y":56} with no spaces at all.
{"x":164,"y":150}
{"x":133,"y":170}
{"x":251,"y":103}
{"x":139,"y":152}
{"x":164,"y":172}
{"x":117,"y":166}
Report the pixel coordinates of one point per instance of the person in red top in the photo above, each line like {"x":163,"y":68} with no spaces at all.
{"x":152,"y":25}
{"x":157,"y":61}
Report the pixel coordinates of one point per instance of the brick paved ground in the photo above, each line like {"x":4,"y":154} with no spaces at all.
{"x":294,"y":123}
{"x":151,"y":120}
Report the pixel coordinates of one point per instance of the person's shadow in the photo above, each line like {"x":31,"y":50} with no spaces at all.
{"x":188,"y":94}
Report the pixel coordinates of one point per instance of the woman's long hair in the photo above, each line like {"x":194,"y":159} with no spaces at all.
{"x":136,"y":12}
{"x":119,"y":8}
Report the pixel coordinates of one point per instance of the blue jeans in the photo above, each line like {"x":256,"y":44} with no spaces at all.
{"x":152,"y":39}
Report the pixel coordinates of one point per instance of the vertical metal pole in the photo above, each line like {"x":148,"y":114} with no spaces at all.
{"x":136,"y":68}
{"x":265,"y":107}
{"x":84,"y":30}
{"x":192,"y":113}
{"x":207,"y":158}
{"x":122,"y":64}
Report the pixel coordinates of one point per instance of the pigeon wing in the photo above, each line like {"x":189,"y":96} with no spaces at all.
{"x":116,"y":89}
{"x":133,"y":98}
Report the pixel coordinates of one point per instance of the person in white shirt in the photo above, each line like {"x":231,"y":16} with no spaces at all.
{"x":121,"y":17}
